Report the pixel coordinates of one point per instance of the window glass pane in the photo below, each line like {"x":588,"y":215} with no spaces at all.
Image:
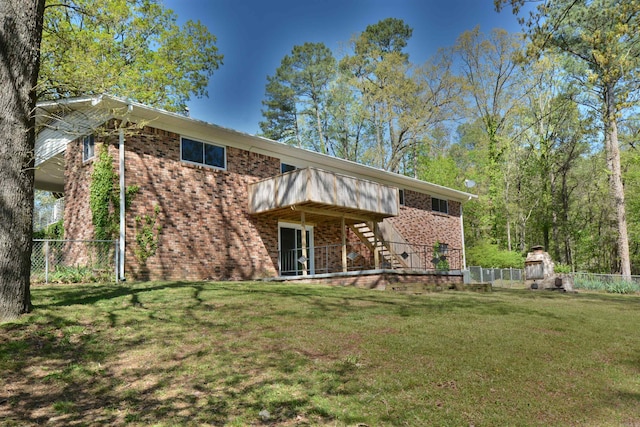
{"x":88,"y":147}
{"x":439,"y":205}
{"x":401,"y":194}
{"x":192,"y":150}
{"x":214,"y":155}
{"x":286,"y":168}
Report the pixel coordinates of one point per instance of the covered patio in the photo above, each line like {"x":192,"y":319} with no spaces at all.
{"x":305,"y":198}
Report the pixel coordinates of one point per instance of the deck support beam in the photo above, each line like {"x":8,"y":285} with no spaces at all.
{"x":344,"y":245}
{"x":304,"y":244}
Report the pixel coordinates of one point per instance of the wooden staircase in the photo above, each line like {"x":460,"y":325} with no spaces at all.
{"x":375,"y":242}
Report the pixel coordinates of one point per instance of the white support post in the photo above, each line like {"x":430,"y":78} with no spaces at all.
{"x":117,"y":261}
{"x":344,"y":246}
{"x":123,"y":226}
{"x":304,"y":244}
{"x":464,"y":256}
{"x":46,"y":261}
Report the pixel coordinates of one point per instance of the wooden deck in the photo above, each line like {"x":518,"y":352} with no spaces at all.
{"x":322,"y":194}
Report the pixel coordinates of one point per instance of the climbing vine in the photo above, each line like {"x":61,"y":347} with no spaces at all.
{"x":104,"y":199}
{"x":147,"y":235}
{"x":104,"y":196}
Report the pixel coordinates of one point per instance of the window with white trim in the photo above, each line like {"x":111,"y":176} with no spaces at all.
{"x":439,"y":205}
{"x":88,"y":147}
{"x":203,"y":153}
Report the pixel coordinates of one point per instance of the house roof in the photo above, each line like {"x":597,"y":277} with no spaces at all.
{"x":59,"y":122}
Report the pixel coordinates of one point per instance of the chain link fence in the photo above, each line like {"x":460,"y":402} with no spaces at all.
{"x":74,"y":261}
{"x":506,"y":277}
{"x":513,"y":277}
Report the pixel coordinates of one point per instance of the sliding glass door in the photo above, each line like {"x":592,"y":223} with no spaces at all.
{"x":291,"y":255}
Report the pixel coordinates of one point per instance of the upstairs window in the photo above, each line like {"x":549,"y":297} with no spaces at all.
{"x":401,"y":196}
{"x":439,"y":205}
{"x":284,"y":168}
{"x":202,"y":153}
{"x":88,"y":147}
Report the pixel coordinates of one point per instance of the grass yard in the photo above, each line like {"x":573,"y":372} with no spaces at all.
{"x":173,"y":354}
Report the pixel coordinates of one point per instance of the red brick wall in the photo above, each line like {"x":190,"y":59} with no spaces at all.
{"x":206,"y":231}
{"x":77,"y":214}
{"x":419,"y":224}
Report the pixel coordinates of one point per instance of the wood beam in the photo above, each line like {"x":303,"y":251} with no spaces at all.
{"x":344,"y":246}
{"x":304,"y":243}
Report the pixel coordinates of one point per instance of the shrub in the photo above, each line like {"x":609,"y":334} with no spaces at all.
{"x":490,"y":255}
{"x":52,"y":231}
{"x":562,"y":268}
{"x":612,"y":287}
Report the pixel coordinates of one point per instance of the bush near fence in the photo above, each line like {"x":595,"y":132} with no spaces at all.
{"x":612,"y":283}
{"x":73,"y":261}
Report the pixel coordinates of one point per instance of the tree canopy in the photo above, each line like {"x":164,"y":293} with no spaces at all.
{"x":129,"y":48}
{"x":536,"y":122}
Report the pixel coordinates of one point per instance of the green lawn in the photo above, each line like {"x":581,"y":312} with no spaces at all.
{"x":168,"y":354}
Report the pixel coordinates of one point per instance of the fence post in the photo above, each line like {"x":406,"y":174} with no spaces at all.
{"x":117,"y":258}
{"x":46,"y":261}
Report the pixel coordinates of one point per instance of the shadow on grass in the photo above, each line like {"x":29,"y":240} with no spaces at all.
{"x":58,"y":366}
{"x":66,"y":295}
{"x":197,"y":353}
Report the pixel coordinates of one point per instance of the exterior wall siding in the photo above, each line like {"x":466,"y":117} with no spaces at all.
{"x":206,"y":232}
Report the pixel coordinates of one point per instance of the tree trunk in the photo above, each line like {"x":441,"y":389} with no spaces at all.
{"x":615,"y":180}
{"x":20,"y":35}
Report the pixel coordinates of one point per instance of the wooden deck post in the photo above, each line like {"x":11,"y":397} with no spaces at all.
{"x":304,"y":244}
{"x":344,"y":247}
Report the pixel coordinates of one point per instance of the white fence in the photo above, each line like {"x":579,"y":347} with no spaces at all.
{"x":74,"y":261}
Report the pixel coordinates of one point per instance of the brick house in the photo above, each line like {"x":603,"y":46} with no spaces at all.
{"x":235,"y":206}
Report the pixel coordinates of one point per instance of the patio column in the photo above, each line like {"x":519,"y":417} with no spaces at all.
{"x":123,"y":225}
{"x":304,"y":244}
{"x":344,"y":246}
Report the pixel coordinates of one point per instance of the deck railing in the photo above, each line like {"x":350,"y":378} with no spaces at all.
{"x":328,"y":259}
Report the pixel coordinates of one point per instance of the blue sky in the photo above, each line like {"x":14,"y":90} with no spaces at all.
{"x":254,"y":36}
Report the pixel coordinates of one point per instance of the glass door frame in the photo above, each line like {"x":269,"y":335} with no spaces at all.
{"x":310,"y":252}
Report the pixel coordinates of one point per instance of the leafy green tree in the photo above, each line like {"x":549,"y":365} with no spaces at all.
{"x":281,"y":115}
{"x":347,"y":127}
{"x":601,"y":40}
{"x":486,"y":254}
{"x":554,"y":138}
{"x":382,"y":78}
{"x":493,"y":91}
{"x":20,"y":37}
{"x":296,"y":97}
{"x":129,"y":48}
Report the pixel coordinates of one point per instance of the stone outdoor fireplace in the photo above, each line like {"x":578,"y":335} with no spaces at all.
{"x":539,"y":272}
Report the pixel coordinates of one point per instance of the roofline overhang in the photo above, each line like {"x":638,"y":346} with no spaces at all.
{"x":173,"y":122}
